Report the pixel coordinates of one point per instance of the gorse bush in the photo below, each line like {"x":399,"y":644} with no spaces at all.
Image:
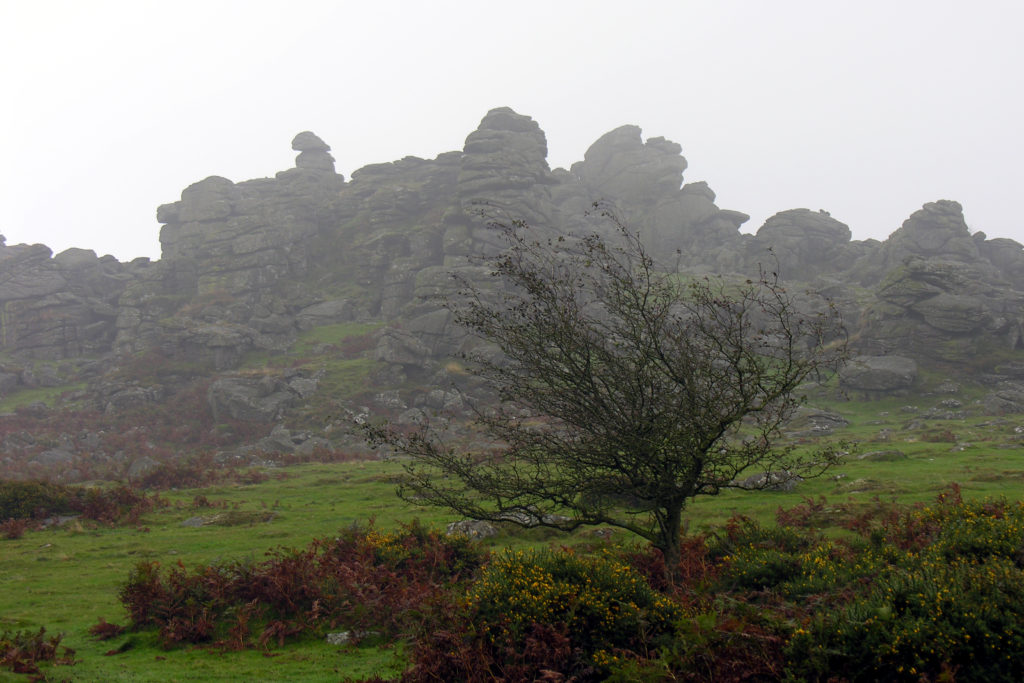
{"x":30,"y":499}
{"x":602,"y":601}
{"x":757,"y":558}
{"x":925,"y":620}
{"x":941,"y":594}
{"x":548,"y":613}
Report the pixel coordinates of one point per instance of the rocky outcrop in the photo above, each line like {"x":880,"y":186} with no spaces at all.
{"x":257,"y":399}
{"x":234,"y":258}
{"x":620,"y":165}
{"x":937,"y":230}
{"x":251,"y":265}
{"x":63,"y":306}
{"x":223,"y":238}
{"x":641,"y":182}
{"x":940,"y":299}
{"x":503,"y":176}
{"x":1006,"y":255}
{"x":391,"y":225}
{"x":802,"y":245}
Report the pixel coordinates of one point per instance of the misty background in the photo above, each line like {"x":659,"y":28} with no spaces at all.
{"x":865,"y":109}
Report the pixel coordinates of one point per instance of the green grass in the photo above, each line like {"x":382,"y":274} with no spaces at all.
{"x":47,"y":395}
{"x":305,"y":346}
{"x":332,"y":334}
{"x":66,"y":579}
{"x":341,"y":378}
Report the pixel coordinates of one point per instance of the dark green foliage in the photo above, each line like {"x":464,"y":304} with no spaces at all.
{"x":756,"y":557}
{"x":24,"y":500}
{"x":549,"y":612}
{"x":601,"y":601}
{"x":32,"y":499}
{"x":943,"y":589}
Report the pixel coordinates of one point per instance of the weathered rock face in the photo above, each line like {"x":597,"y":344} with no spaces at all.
{"x":257,"y":399}
{"x":249,"y":265}
{"x":503,"y":176}
{"x":936,"y":230}
{"x":641,"y":182}
{"x":879,"y":374}
{"x":802,"y":244}
{"x":240,"y":239}
{"x":940,"y":298}
{"x":1006,"y":255}
{"x":63,"y":306}
{"x":620,"y":164}
{"x":233,"y":255}
{"x":390,"y":226}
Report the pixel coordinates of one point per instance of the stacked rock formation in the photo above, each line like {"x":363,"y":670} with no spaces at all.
{"x":250,"y":264}
{"x":313,"y":152}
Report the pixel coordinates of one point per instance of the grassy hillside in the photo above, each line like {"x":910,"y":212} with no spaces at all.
{"x":66,"y":578}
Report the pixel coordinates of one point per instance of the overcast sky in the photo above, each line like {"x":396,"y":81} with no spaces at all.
{"x":867,"y":109}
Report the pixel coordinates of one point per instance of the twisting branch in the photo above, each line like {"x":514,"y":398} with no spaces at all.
{"x":624,"y":390}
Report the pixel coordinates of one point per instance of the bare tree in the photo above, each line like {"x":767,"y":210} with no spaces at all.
{"x":625,"y":391}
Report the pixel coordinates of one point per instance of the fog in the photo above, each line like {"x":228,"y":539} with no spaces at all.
{"x":866,"y":109}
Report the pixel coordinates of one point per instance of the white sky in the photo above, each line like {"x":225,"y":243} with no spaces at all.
{"x":867,"y":109}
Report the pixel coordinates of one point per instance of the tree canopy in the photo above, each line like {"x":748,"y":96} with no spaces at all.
{"x":624,"y":389}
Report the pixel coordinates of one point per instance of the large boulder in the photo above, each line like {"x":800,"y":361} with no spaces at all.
{"x":313,"y":152}
{"x":250,"y":399}
{"x":801,"y":244}
{"x":879,"y":374}
{"x":640,"y":182}
{"x":936,"y":230}
{"x":507,"y":151}
{"x":621,"y":165}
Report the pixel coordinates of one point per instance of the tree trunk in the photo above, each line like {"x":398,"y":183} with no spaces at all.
{"x":669,"y":543}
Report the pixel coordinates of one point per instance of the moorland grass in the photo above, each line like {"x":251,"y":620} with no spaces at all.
{"x":65,"y":579}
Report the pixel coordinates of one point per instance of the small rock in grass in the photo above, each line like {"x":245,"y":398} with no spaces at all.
{"x":346,"y":637}
{"x":883,"y":456}
{"x":471,"y":528}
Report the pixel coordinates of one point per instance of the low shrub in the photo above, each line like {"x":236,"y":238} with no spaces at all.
{"x":33,"y":499}
{"x":547,"y":615}
{"x":758,"y":558}
{"x":810,"y":513}
{"x":695,"y":565}
{"x":104,"y":630}
{"x":363,"y":581}
{"x":726,"y":646}
{"x":24,"y":500}
{"x":601,"y":600}
{"x":22,"y":651}
{"x":117,"y":505}
{"x":13,"y":529}
{"x":941,"y":588}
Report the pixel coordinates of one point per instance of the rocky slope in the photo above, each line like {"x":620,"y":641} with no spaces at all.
{"x":250,"y":270}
